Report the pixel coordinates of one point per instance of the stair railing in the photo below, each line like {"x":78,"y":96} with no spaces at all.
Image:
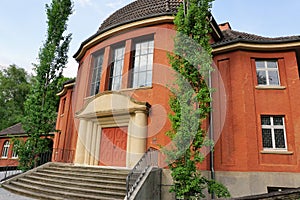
{"x":150,"y":158}
{"x":9,"y":170}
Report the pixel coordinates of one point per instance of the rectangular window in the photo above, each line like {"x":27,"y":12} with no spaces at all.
{"x":142,"y":63}
{"x":96,"y":73}
{"x":63,"y":104}
{"x":116,"y":68}
{"x":5,"y":149}
{"x":273,"y":132}
{"x":267,"y":72}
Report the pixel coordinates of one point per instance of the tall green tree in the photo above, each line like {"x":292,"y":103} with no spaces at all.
{"x":190,"y":103}
{"x":14,"y":87}
{"x":42,"y":102}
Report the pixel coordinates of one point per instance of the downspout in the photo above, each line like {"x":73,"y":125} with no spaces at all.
{"x":211,"y":132}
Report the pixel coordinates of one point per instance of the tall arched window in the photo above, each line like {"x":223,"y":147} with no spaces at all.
{"x":14,"y":154}
{"x":5,"y":149}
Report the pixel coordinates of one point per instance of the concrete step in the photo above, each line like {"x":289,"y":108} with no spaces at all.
{"x":89,"y":168}
{"x":52,"y":195}
{"x":87,"y":183}
{"x":65,"y":181}
{"x":84,"y":175}
{"x":68,"y":191}
{"x":117,"y":182}
{"x":24,"y":192}
{"x":80,"y":188}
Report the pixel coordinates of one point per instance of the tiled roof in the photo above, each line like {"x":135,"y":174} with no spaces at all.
{"x":231,"y":36}
{"x":138,"y":10}
{"x":13,"y":130}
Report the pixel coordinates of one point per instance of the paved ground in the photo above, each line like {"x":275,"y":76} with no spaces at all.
{"x":6,"y":195}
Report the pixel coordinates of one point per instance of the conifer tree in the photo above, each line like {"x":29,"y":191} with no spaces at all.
{"x":42,"y":102}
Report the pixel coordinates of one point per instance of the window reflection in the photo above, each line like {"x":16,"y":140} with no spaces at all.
{"x":267,"y":72}
{"x":143,"y":64}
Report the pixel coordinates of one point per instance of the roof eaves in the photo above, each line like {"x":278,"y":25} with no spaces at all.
{"x":242,"y":40}
{"x":116,"y":25}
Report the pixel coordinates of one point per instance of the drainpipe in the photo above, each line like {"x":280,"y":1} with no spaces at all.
{"x":211,"y":133}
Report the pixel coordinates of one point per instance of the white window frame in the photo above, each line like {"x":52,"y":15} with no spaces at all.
{"x":14,"y":154}
{"x":114,"y":75}
{"x":272,"y":127}
{"x":137,"y":69}
{"x":96,"y":73}
{"x":5,"y":149}
{"x":267,"y":70}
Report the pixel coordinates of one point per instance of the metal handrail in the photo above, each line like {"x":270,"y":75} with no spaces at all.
{"x":150,"y":158}
{"x":56,"y":155}
{"x":9,"y":170}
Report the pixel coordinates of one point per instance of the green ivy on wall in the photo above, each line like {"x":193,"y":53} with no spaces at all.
{"x":190,"y":103}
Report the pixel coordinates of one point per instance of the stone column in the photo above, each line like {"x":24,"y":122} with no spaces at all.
{"x":93,"y":144}
{"x":97,"y":150}
{"x":80,"y":147}
{"x":88,"y":140}
{"x":137,"y":133}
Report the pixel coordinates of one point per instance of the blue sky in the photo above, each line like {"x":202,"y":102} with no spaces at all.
{"x":23,"y":24}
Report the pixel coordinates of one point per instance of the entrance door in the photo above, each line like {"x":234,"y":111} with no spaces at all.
{"x":113,"y":146}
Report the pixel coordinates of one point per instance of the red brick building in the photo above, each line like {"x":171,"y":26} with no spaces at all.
{"x":8,"y":156}
{"x":118,"y":107}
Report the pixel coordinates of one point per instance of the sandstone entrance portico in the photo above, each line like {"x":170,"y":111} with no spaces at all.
{"x":101,"y":120}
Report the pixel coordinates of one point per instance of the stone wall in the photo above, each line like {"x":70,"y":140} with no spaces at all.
{"x":283,"y":195}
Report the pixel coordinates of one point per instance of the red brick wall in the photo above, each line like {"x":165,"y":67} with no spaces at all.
{"x":240,"y":144}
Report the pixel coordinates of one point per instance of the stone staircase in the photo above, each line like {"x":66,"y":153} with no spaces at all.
{"x":66,"y":181}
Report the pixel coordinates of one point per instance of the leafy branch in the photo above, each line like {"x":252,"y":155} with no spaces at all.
{"x":190,"y":103}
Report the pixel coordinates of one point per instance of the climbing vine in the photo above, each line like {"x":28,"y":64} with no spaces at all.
{"x":190,"y":102}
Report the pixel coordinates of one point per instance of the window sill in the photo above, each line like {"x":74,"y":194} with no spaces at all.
{"x":283,"y":152}
{"x":139,"y":88}
{"x":270,"y":87}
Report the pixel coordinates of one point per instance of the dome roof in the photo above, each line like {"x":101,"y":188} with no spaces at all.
{"x":139,"y":10}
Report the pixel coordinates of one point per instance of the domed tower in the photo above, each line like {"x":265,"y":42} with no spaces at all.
{"x":121,"y":95}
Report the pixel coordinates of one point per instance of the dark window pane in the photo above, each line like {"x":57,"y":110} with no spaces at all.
{"x":267,"y":138}
{"x":96,"y":74}
{"x":265,"y":120}
{"x":261,"y":77}
{"x":92,"y":89}
{"x":97,"y":87}
{"x":278,"y":120}
{"x":279,"y":138}
{"x":273,"y":78}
